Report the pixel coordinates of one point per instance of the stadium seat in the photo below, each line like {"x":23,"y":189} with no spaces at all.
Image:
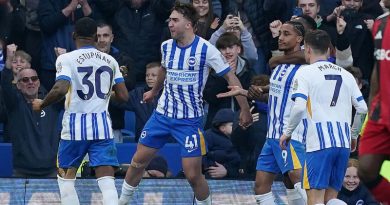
{"x":129,"y":131}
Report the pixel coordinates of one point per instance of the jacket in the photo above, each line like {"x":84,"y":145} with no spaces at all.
{"x":221,"y":150}
{"x":34,"y":136}
{"x":138,"y":32}
{"x":359,"y":196}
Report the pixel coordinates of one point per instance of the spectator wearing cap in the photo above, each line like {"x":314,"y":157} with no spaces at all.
{"x":222,"y":159}
{"x":157,"y":168}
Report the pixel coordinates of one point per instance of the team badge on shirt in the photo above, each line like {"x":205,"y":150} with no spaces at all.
{"x":143,"y":134}
{"x":191,"y":61}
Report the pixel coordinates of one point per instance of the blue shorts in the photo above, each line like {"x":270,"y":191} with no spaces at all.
{"x":187,"y":132}
{"x":275,"y":160}
{"x":325,"y":168}
{"x":101,"y":153}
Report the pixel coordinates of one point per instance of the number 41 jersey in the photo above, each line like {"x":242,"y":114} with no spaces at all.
{"x":330,"y":92}
{"x":91,"y":74}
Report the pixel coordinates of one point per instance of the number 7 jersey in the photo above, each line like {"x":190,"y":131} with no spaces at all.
{"x":330,"y":92}
{"x":91,"y":74}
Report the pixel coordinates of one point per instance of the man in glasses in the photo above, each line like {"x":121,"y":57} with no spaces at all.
{"x":34,"y":135}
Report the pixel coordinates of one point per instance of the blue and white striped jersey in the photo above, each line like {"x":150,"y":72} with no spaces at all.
{"x":280,"y":103}
{"x":92,"y":74}
{"x":187,"y":70}
{"x":330,"y":92}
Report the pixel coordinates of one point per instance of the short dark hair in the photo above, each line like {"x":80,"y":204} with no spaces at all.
{"x":298,"y":27}
{"x":226,"y":40}
{"x":85,"y":27}
{"x":317,"y":1}
{"x":188,"y":11}
{"x":318,"y":40}
{"x":102,"y":23}
{"x":309,"y":21}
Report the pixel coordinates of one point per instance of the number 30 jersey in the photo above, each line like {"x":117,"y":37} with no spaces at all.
{"x":91,"y":74}
{"x":330,"y":92}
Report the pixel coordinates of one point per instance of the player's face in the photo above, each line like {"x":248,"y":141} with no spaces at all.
{"x":309,"y":7}
{"x":352,"y":4}
{"x":351,"y":179}
{"x":177,"y":25}
{"x":231,"y":52}
{"x":105,"y":38}
{"x":151,"y":76}
{"x":288,"y":38}
{"x":201,"y":6}
{"x":28,"y":83}
{"x":19,"y":63}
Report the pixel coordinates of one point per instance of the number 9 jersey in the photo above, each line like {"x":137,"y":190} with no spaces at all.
{"x":330,"y":92}
{"x":91,"y":74}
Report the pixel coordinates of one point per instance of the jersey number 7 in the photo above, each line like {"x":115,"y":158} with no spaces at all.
{"x":339,"y":81}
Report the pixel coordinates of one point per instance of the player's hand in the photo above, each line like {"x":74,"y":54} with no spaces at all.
{"x":274,"y":27}
{"x":283,"y":141}
{"x":353,"y":145}
{"x":369,"y":23}
{"x":233,"y":91}
{"x":246,"y":119}
{"x":255,"y":116}
{"x":255,"y":92}
{"x":340,"y":25}
{"x":37,"y":105}
{"x":148,"y":96}
{"x":218,"y":171}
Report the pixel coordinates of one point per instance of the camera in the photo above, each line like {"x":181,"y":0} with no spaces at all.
{"x":349,"y":13}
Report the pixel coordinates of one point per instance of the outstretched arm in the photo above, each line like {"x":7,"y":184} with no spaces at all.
{"x":245,"y":115}
{"x":298,"y":57}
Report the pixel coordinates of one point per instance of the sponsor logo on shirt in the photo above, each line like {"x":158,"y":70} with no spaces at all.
{"x":382,"y":54}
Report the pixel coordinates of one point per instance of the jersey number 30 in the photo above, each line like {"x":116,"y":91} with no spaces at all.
{"x":92,"y":87}
{"x":339,"y":81}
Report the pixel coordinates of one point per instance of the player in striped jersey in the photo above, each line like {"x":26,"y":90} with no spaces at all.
{"x":87,"y":77}
{"x":326,"y":93}
{"x":272,"y":159}
{"x":186,"y":60}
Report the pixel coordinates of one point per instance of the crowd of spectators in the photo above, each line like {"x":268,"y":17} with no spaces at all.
{"x":34,"y":32}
